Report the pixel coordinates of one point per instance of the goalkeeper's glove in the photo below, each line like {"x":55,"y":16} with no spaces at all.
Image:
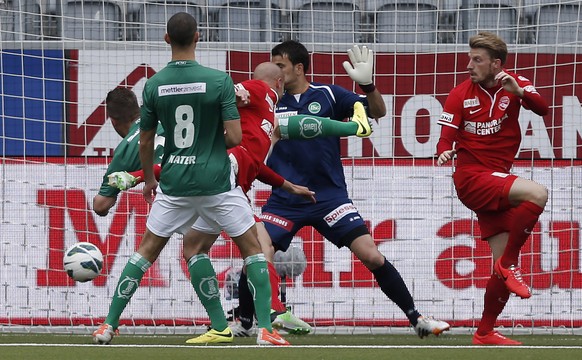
{"x":362,"y":64}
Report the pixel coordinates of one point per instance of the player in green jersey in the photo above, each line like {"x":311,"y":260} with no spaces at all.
{"x":197,"y":109}
{"x":123,"y":110}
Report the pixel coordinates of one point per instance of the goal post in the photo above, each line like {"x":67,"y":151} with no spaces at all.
{"x":59,"y":58}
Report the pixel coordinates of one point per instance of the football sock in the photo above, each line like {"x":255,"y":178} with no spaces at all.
{"x":525,"y":217}
{"x":496,"y":296}
{"x":246,"y":306}
{"x":276,"y":303}
{"x":260,"y":288}
{"x":203,"y":279}
{"x":392,"y":284}
{"x":309,"y":127}
{"x":126,"y":286}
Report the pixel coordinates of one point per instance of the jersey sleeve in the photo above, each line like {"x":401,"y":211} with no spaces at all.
{"x":532,"y":100}
{"x":148,"y":116}
{"x":450,"y":120}
{"x":345,"y":100}
{"x":452,"y":114}
{"x":228,"y":100}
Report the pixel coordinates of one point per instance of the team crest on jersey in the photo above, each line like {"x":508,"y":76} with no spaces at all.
{"x":503,"y":103}
{"x":471,"y":102}
{"x":314,"y":107}
{"x":309,"y":127}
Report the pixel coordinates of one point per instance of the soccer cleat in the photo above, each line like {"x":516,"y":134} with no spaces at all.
{"x":238,"y":330}
{"x":428,"y":325}
{"x":513,"y":280}
{"x":213,"y":337}
{"x":264,"y":337}
{"x":493,"y":338}
{"x":122,"y":180}
{"x":104,"y":334}
{"x":291,"y":324}
{"x":361,"y":118}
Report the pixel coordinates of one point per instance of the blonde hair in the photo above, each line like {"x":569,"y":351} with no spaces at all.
{"x":495,"y":46}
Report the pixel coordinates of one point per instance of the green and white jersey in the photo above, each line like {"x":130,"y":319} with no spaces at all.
{"x":126,"y":157}
{"x":191,"y":102}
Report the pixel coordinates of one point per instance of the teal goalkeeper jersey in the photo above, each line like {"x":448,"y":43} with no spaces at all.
{"x":191,"y":102}
{"x":126,"y":157}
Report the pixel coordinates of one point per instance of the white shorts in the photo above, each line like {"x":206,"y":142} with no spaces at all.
{"x":229,"y":211}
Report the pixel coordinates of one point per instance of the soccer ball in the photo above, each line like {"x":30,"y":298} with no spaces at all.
{"x":83,"y":261}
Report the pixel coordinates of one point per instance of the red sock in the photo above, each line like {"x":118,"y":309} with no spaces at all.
{"x":496,"y":296}
{"x":524,"y":219}
{"x":276,"y":303}
{"x":139,"y":173}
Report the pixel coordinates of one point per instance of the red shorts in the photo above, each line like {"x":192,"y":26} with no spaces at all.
{"x":248,"y":168}
{"x":487,"y":194}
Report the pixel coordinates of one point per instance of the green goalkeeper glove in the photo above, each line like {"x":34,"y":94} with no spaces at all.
{"x":362,"y":65}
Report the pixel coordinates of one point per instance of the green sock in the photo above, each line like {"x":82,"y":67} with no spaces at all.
{"x":203,"y":279}
{"x":126,"y":286}
{"x":309,"y":127}
{"x":260,"y":287}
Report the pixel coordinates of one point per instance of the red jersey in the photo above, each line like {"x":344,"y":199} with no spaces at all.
{"x":257,"y":123}
{"x":486,"y":122}
{"x":258,"y":118}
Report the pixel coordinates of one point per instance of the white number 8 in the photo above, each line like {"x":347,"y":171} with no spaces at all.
{"x":184,"y":130}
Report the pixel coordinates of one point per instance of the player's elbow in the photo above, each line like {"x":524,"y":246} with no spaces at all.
{"x":233,"y":140}
{"x":102,"y":205}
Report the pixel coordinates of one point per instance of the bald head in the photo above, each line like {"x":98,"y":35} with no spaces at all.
{"x":271,"y":74}
{"x":267,"y":71}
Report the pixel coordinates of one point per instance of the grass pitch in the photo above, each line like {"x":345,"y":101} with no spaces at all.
{"x":335,"y":347}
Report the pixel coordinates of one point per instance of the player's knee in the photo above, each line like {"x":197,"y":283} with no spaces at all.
{"x":540,"y":196}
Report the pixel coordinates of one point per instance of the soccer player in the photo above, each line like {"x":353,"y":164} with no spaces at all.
{"x":197,"y":109}
{"x":480,"y":125}
{"x":123,"y":110}
{"x":317,"y":165}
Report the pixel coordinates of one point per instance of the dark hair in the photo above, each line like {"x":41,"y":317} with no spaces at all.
{"x":295,"y":52}
{"x":181,"y":29}
{"x":121,"y":104}
{"x":495,"y":46}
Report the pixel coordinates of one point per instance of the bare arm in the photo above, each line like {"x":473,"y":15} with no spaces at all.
{"x":102,"y":204}
{"x":232,"y":133}
{"x":146,"y":156}
{"x":376,"y":105}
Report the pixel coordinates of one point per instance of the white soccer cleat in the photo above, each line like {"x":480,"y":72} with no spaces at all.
{"x":291,"y":324}
{"x":428,"y":325}
{"x":238,"y":330}
{"x":122,"y":180}
{"x":104,"y":334}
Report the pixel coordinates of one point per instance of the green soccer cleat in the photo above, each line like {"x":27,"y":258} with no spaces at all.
{"x":213,"y":337}
{"x":122,"y":180}
{"x":291,"y":324}
{"x":361,"y":118}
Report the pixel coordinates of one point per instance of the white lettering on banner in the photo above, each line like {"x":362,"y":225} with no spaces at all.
{"x":417,"y":199}
{"x":181,"y":89}
{"x":572,"y":126}
{"x":339,"y":213}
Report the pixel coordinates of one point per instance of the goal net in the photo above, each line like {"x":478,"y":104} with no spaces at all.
{"x":59,"y":58}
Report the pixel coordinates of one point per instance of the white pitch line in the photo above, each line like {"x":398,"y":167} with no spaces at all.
{"x":291,"y":347}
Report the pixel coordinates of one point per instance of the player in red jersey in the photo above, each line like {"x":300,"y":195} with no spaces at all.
{"x":480,"y":126}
